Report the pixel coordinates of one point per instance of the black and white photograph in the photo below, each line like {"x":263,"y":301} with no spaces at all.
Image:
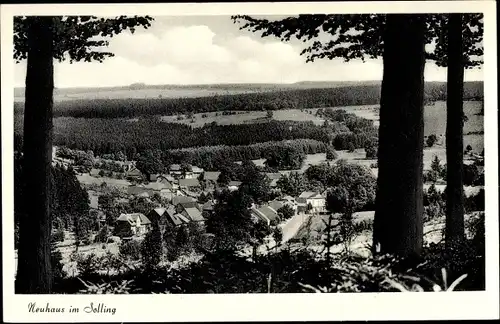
{"x":257,"y":152}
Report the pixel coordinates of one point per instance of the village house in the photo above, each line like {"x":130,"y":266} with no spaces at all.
{"x":315,"y":200}
{"x":134,"y":174}
{"x":164,"y":190}
{"x":165,"y":217}
{"x":234,"y":185}
{"x":210,"y":178}
{"x":153,"y":177}
{"x":168,"y":181}
{"x":94,"y":172}
{"x":196,"y":171}
{"x":128,"y":165}
{"x":289,"y":201}
{"x":181,"y":199}
{"x":190,"y":209}
{"x":266,"y":214}
{"x":189,"y":184}
{"x":135,"y":224}
{"x":208,"y":207}
{"x":136,"y":190}
{"x":175,"y":170}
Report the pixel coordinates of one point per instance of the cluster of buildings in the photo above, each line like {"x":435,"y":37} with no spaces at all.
{"x":182,"y":188}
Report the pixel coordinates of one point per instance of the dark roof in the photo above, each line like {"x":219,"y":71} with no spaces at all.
{"x":136,"y":190}
{"x":189,"y":183}
{"x":189,"y":204}
{"x":134,"y":172}
{"x":174,"y":219}
{"x":194,"y":214}
{"x":181,"y":199}
{"x":265,"y":213}
{"x":211,"y":175}
{"x":157,"y":186}
{"x":183,"y":218}
{"x":175,"y":167}
{"x":208,"y":206}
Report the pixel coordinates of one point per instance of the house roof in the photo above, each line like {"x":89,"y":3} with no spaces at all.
{"x":208,"y":205}
{"x":275,"y":205}
{"x":189,"y":204}
{"x":132,"y":218}
{"x":170,"y":210}
{"x":274,"y":183}
{"x":265,"y":213}
{"x":144,"y":194}
{"x":94,"y":172}
{"x":181,"y":199}
{"x":175,"y":219}
{"x":196,"y":169}
{"x":183,"y":218}
{"x":134,"y":172}
{"x":160,"y":211}
{"x":189,"y":183}
{"x":211,"y":175}
{"x":194,"y":214}
{"x":153,"y":177}
{"x":175,"y":167}
{"x":157,"y":186}
{"x":308,"y":194}
{"x":234,"y":183}
{"x":136,"y":190}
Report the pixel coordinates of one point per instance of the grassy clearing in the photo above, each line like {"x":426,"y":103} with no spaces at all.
{"x":243,"y":117}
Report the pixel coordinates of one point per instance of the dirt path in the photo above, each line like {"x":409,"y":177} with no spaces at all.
{"x":292,"y":226}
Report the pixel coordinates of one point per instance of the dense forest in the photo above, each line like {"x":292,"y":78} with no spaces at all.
{"x":69,"y":201}
{"x":272,"y":100}
{"x":106,"y":136}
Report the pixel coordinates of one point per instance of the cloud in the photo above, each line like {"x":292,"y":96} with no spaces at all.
{"x":195,"y":53}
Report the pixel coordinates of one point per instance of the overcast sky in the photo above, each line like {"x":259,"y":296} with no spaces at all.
{"x":211,"y":49}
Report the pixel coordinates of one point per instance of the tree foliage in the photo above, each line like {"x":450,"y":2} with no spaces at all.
{"x":358,"y":36}
{"x":78,"y":38}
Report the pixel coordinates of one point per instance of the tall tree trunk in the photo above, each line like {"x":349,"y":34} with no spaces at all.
{"x":34,"y":274}
{"x":455,"y":231}
{"x":398,"y":224}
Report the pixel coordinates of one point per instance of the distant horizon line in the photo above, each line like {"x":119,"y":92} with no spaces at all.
{"x":229,"y":83}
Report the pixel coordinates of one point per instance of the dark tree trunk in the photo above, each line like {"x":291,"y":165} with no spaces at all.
{"x":398,"y":224}
{"x":455,"y":231}
{"x":34,"y":274}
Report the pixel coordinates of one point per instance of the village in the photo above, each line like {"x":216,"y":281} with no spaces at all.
{"x":181,"y":196}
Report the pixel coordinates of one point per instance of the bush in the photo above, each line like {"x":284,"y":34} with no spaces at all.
{"x":152,"y":249}
{"x":331,"y":154}
{"x":433,"y":211}
{"x":87,"y":265}
{"x":431,"y":140}
{"x":131,"y":250}
{"x":430,"y":176}
{"x":58,"y":235}
{"x":285,"y":212}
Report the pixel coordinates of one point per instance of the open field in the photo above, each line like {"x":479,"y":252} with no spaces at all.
{"x":242,"y":117}
{"x":434,"y":114}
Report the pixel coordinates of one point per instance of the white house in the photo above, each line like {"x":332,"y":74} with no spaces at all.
{"x":316,"y":200}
